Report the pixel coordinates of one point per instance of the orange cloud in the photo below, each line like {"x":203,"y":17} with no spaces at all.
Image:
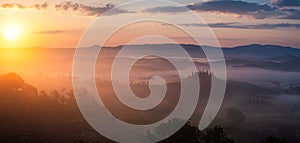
{"x":20,"y":6}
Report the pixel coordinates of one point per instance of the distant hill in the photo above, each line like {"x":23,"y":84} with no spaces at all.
{"x":284,"y":66}
{"x":260,"y":51}
{"x":246,"y":51}
{"x":273,"y":52}
{"x":285,"y":58}
{"x":273,"y":57}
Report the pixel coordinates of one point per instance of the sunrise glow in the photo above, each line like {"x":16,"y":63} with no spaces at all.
{"x":11,"y":33}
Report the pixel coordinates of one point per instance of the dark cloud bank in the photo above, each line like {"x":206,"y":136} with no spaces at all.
{"x":280,"y":9}
{"x":237,"y":25}
{"x":286,"y":3}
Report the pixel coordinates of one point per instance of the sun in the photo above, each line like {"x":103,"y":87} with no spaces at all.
{"x":11,"y":33}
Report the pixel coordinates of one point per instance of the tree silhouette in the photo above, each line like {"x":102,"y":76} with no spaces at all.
{"x":215,"y":135}
{"x":190,"y":134}
{"x":27,"y":115}
{"x":272,"y":139}
{"x":11,"y":81}
{"x":235,"y":117}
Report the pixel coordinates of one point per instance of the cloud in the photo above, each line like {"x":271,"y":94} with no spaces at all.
{"x":20,"y":6}
{"x":286,"y":3}
{"x":220,"y":6}
{"x":85,"y":10}
{"x":167,"y":9}
{"x":242,"y":8}
{"x":293,"y":14}
{"x":237,"y":25}
{"x":230,"y":6}
{"x":50,"y":32}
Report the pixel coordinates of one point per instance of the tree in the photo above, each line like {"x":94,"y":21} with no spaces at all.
{"x":190,"y":134}
{"x":215,"y":135}
{"x":272,"y":139}
{"x":29,"y":90}
{"x":235,"y":117}
{"x":11,"y":81}
{"x":187,"y":134}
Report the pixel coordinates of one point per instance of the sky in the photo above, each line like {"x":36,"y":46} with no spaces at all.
{"x":61,"y":24}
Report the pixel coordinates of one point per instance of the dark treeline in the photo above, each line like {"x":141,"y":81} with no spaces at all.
{"x":30,"y":116}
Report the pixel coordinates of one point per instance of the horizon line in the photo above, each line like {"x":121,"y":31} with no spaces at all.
{"x":185,"y":44}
